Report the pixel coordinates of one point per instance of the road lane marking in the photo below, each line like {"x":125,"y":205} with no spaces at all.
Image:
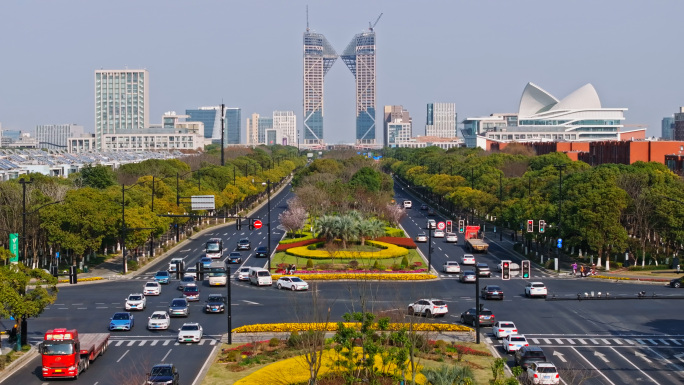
{"x":605,"y":341}
{"x":664,"y":342}
{"x":559,"y":355}
{"x":118,"y":343}
{"x":675,"y":341}
{"x":617,"y":341}
{"x":601,"y":356}
{"x":203,"y":369}
{"x":560,"y":341}
{"x":81,"y":308}
{"x":131,"y":343}
{"x":593,"y":341}
{"x":122,"y":356}
{"x":642,"y":356}
{"x":166,"y":355}
{"x":630,"y":342}
{"x":592,"y":365}
{"x":143,"y":342}
{"x":250,"y":302}
{"x":547,"y":341}
{"x":166,"y":342}
{"x":582,"y":341}
{"x":635,"y":367}
{"x":154,"y":342}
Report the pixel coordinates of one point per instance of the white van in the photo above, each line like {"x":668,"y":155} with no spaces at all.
{"x":172,"y":264}
{"x":260,"y":277}
{"x":408,"y":204}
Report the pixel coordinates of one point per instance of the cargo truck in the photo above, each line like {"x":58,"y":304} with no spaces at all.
{"x":66,"y":353}
{"x":472,"y":242}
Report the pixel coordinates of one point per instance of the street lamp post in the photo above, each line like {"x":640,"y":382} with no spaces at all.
{"x":268,"y":226}
{"x":560,"y":168}
{"x":178,"y":197}
{"x":500,"y":206}
{"x":24,"y":182}
{"x":429,"y":249}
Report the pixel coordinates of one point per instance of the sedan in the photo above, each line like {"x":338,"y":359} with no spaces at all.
{"x":244,"y":244}
{"x":216,"y":303}
{"x":428,"y":308}
{"x":206,"y":262}
{"x":121,"y":321}
{"x":234,"y":257}
{"x":159,"y":320}
{"x":162,"y":277}
{"x":483,"y":270}
{"x":535,"y":289}
{"x":292,"y":283}
{"x":261,"y":252}
{"x":468,"y":276}
{"x":503,"y":328}
{"x":438,"y":234}
{"x":152,"y":288}
{"x":136,"y":301}
{"x":179,"y":307}
{"x":513,"y":342}
{"x":451,"y":238}
{"x":423,"y":206}
{"x":185,"y":281}
{"x":677,"y":282}
{"x":492,"y":292}
{"x":451,"y":267}
{"x":422,"y":237}
{"x":192,"y":271}
{"x":468,"y":259}
{"x":243,"y":274}
{"x":191,"y":293}
{"x":486,"y":317}
{"x":190,"y":332}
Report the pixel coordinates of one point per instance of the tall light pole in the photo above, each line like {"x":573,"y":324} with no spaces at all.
{"x":223,"y":145}
{"x":560,"y":168}
{"x":178,"y":197}
{"x":24,"y":182}
{"x":268,"y":225}
{"x":500,"y":205}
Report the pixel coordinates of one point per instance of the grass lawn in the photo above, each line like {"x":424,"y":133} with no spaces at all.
{"x":340,"y":263}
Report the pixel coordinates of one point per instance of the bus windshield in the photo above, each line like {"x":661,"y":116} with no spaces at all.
{"x":213,"y":246}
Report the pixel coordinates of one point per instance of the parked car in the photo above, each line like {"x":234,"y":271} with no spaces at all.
{"x":244,"y":244}
{"x":677,"y":282}
{"x":529,"y":354}
{"x":492,"y":292}
{"x":261,"y":252}
{"x":243,"y":274}
{"x":513,"y":342}
{"x":166,"y":374}
{"x":121,"y":321}
{"x":159,"y":320}
{"x":468,"y":276}
{"x":190,"y":332}
{"x":191,"y":292}
{"x":503,"y":328}
{"x":451,"y":267}
{"x":179,"y":307}
{"x":438,"y":234}
{"x":136,"y":301}
{"x":486,"y":317}
{"x":185,"y":281}
{"x":468,"y":259}
{"x":234,"y":257}
{"x":162,"y":277}
{"x":543,"y":373}
{"x":422,"y":237}
{"x":483,"y":270}
{"x":216,"y":303}
{"x":292,"y":283}
{"x":428,"y":308}
{"x":152,"y":288}
{"x":451,"y":238}
{"x":535,"y":289}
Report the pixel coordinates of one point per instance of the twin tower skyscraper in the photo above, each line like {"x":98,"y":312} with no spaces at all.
{"x":319,"y":57}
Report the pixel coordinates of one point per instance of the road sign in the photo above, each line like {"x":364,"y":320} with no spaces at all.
{"x":257,"y":224}
{"x":441,"y":225}
{"x":56,"y":254}
{"x":202,"y":202}
{"x":14,"y":247}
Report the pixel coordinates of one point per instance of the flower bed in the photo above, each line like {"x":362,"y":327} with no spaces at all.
{"x":332,"y":327}
{"x":364,"y":276}
{"x":388,"y":251}
{"x":304,"y":272}
{"x":305,"y":242}
{"x":399,"y":241}
{"x":82,"y":279}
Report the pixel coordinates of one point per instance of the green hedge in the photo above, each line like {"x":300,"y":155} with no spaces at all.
{"x":393,"y":232}
{"x":311,"y":251}
{"x":305,"y":236}
{"x":649,"y":267}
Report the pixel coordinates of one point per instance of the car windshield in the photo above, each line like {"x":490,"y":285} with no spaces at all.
{"x":215,"y":298}
{"x":211,"y":246}
{"x":54,"y":349}
{"x":296,"y":279}
{"x":191,"y":289}
{"x":178,"y":303}
{"x":263,"y":274}
{"x":546,"y":369}
{"x":244,"y":241}
{"x":162,"y":274}
{"x":161,"y":371}
{"x":244,"y":270}
{"x":234,"y":255}
{"x":534,"y":353}
{"x":134,"y":298}
{"x":150,"y":284}
{"x":469,"y":273}
{"x":189,"y":327}
{"x":120,"y":316}
{"x":493,"y":288}
{"x":439,"y":303}
{"x":158,"y":316}
{"x":188,"y":279}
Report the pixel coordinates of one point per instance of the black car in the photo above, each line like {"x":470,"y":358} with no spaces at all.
{"x":486,"y":317}
{"x":261,"y":252}
{"x":163,"y":374}
{"x":244,"y":244}
{"x":431,"y":212}
{"x":234,"y":257}
{"x":492,"y":292}
{"x":677,"y":282}
{"x":529,"y":354}
{"x":216,"y":303}
{"x":423,"y":206}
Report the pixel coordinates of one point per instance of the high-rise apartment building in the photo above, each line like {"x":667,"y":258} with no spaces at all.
{"x":285,"y":124}
{"x":211,"y":117}
{"x":441,"y":120}
{"x":121,"y":102}
{"x":253,"y":130}
{"x":54,"y":136}
{"x":359,"y":56}
{"x":678,"y":131}
{"x":233,"y":125}
{"x":265,"y":124}
{"x":319,"y":56}
{"x":397,"y":125}
{"x":667,"y":128}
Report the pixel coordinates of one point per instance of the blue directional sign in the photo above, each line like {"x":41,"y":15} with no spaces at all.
{"x":57,"y":254}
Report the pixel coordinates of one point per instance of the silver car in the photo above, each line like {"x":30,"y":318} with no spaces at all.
{"x":451,"y":267}
{"x":468,"y":276}
{"x":451,"y":238}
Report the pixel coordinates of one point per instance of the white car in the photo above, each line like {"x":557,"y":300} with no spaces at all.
{"x":513,"y":342}
{"x":159,"y":320}
{"x":468,"y":259}
{"x":502,"y":329}
{"x":173,"y":264}
{"x":136,"y":302}
{"x":513,"y":266}
{"x":451,"y":238}
{"x":191,"y":271}
{"x":451,"y":267}
{"x":408,"y":204}
{"x":152,"y":288}
{"x":535,"y":289}
{"x":422,"y":237}
{"x":543,"y":373}
{"x":292,"y":283}
{"x":438,"y":234}
{"x":431,"y":224}
{"x":243,"y":274}
{"x":190,"y":332}
{"x":428,"y":308}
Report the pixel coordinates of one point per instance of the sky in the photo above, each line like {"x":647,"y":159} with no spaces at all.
{"x":248,"y":54}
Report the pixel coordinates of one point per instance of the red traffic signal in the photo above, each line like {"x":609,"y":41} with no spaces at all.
{"x":505,"y":270}
{"x":530,"y":225}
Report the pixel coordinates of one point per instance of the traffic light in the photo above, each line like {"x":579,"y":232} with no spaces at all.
{"x":251,"y":224}
{"x":238,"y":224}
{"x":449,"y":227}
{"x":54,"y":270}
{"x":73,"y":275}
{"x":461,"y":226}
{"x":505,"y":270}
{"x":179,"y":273}
{"x":200,"y":271}
{"x":542,"y":225}
{"x":526,"y":269}
{"x":530,"y":225}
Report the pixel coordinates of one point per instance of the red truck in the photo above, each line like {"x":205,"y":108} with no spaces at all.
{"x":66,"y":353}
{"x":472,"y":242}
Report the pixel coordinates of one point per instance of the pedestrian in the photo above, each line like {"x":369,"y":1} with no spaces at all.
{"x":294,"y":268}
{"x":678,"y":269}
{"x":582,"y":271}
{"x":593,"y":269}
{"x":574,"y":269}
{"x":289,"y":268}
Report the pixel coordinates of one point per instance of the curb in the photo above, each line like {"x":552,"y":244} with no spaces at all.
{"x":18,"y":363}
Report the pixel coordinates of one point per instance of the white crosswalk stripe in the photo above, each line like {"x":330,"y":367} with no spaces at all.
{"x":627,"y":341}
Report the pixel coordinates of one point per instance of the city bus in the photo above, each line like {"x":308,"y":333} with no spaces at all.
{"x":214,"y":248}
{"x":217,"y":275}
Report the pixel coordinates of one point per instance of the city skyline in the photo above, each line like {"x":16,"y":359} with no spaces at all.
{"x":479,"y":59}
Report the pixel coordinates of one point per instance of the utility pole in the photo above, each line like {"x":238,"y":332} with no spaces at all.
{"x":560,"y":168}
{"x":501,"y":205}
{"x":223,"y":118}
{"x":24,"y":182}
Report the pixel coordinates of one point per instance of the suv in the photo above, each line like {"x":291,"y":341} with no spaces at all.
{"x":543,"y":373}
{"x":244,"y":244}
{"x":428,"y":307}
{"x":261,"y":252}
{"x":431,"y":224}
{"x":486,"y":317}
{"x":535,"y":289}
{"x":483,"y":270}
{"x":408,"y":204}
{"x":179,"y":307}
{"x":163,"y":374}
{"x":529,"y":354}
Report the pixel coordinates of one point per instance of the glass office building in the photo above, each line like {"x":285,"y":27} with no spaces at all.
{"x":359,"y":56}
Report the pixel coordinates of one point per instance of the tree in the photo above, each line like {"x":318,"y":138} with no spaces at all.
{"x":98,"y":176}
{"x":293,"y":218}
{"x":21,"y":301}
{"x":367,"y":179}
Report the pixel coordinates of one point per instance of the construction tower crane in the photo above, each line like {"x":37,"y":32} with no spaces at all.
{"x":371,"y":26}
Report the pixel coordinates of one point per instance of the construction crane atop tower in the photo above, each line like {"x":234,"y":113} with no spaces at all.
{"x":371,"y":26}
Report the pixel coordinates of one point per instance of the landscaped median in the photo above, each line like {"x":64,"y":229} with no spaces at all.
{"x":82,"y":279}
{"x":332,"y":327}
{"x":361,"y":276}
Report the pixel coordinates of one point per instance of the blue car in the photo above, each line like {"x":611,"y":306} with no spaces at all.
{"x":162,"y":277}
{"x":121,"y":321}
{"x":206,"y":262}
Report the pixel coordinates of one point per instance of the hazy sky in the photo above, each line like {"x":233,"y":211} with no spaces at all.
{"x":477,"y":54}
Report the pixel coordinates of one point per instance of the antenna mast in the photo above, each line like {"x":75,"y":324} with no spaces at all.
{"x":370,"y":26}
{"x":307,"y":18}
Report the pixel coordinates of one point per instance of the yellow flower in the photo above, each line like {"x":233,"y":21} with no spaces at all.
{"x":331,"y":327}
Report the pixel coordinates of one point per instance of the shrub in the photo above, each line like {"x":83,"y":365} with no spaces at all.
{"x":387,"y":251}
{"x":273,"y":342}
{"x":648,"y":267}
{"x":404,"y":262}
{"x":309,"y":264}
{"x":441,"y":345}
{"x":354,"y":264}
{"x":392,"y":232}
{"x":294,"y":340}
{"x":132,"y":265}
{"x":376,"y":266}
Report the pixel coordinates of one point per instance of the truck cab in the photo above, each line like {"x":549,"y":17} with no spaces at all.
{"x":65,"y":353}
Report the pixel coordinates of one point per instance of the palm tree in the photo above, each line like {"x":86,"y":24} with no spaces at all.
{"x":347,"y":229}
{"x":449,"y":375}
